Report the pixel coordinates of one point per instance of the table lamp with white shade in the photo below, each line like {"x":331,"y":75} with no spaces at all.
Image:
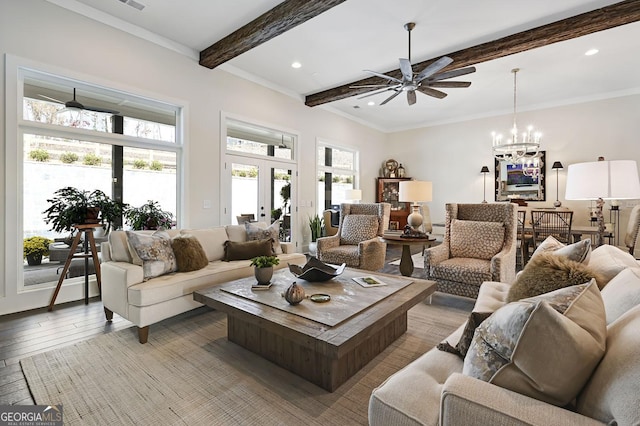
{"x":603,"y":180}
{"x":415,"y":191}
{"x":354,"y":195}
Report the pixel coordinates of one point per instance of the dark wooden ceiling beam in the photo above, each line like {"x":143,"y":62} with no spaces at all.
{"x":622,"y":13}
{"x":280,"y":19}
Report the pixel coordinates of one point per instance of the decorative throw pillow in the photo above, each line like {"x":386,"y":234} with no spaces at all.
{"x":545,"y":347}
{"x":580,"y":251}
{"x":621,"y":293}
{"x":547,"y":272}
{"x":609,"y":261}
{"x":357,"y":228}
{"x":155,"y":252}
{"x":461,"y":349}
{"x":190,"y":256}
{"x":257,"y":232}
{"x":247,"y":250}
{"x":475,"y":239}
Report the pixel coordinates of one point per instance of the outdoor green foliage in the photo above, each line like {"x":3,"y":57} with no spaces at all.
{"x":316,"y":223}
{"x":72,"y":206}
{"x":276,"y":213}
{"x":148,"y":216}
{"x":92,"y":160}
{"x":139,"y":164}
{"x":264,"y":261}
{"x":156,"y":165}
{"x":285,"y":194}
{"x":36,"y":245}
{"x":39,"y":155}
{"x":252,"y":173}
{"x":68,"y":157}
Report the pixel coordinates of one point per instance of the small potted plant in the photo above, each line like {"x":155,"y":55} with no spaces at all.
{"x":315,"y":223}
{"x":148,"y":216}
{"x":33,"y":248}
{"x":264,"y":268}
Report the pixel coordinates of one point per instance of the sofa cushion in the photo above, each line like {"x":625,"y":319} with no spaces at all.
{"x":237,"y":233}
{"x":545,"y":347}
{"x":609,"y":260}
{"x":259,"y":231}
{"x":547,"y":272}
{"x":190,"y":255}
{"x":154,"y":251}
{"x":621,"y":293}
{"x":611,"y":395}
{"x":211,"y":239}
{"x":488,"y":235}
{"x":579,"y":252}
{"x":247,"y":250}
{"x":357,"y":228}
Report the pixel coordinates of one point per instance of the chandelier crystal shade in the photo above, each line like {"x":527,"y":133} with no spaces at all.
{"x":518,"y":147}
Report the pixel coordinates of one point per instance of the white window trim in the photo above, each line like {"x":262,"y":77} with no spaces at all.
{"x":321,"y":142}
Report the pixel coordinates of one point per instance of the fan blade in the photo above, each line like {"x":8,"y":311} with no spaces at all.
{"x":388,"y":77}
{"x":376,"y":92}
{"x":432,"y":92}
{"x":391,"y":97}
{"x":434,"y":68}
{"x":51,"y":99}
{"x":449,"y":84}
{"x":104,"y":110}
{"x":454,"y":73}
{"x":407,"y":71}
{"x":411,"y":97}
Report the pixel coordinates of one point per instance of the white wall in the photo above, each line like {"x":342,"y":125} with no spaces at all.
{"x":452,"y":155}
{"x":42,"y":32}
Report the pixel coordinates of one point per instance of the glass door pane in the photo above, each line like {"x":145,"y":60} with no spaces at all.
{"x":244,"y":191}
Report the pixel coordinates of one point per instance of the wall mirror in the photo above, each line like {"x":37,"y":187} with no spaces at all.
{"x":524,"y":181}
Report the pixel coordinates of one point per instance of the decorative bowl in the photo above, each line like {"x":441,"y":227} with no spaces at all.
{"x":315,"y":270}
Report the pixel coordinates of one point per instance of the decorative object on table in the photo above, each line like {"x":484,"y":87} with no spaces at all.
{"x":557,"y":166}
{"x":394,"y":225}
{"x":401,"y":171}
{"x":148,"y":216}
{"x":415,"y":191}
{"x":423,"y":82}
{"x":390,"y":167}
{"x":264,"y":268}
{"x":33,"y":248}
{"x":316,"y":271}
{"x":319,"y":298}
{"x":294,"y":294}
{"x":369,"y":281}
{"x":410,"y":232}
{"x":388,"y":192}
{"x":71,"y":206}
{"x":353,"y":195}
{"x":603,"y":180}
{"x":316,"y":226}
{"x":484,"y":172}
{"x":513,"y":149}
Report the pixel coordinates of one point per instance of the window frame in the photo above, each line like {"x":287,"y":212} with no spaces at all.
{"x":355,"y":172}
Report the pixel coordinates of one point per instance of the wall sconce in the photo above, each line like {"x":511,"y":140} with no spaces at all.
{"x":557,"y":166}
{"x":484,"y":172}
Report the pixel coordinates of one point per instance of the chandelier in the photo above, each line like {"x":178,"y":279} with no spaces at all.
{"x":517,"y":147}
{"x":531,"y":167}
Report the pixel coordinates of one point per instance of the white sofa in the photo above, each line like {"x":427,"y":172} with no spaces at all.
{"x":146,"y":302}
{"x":432,"y":389}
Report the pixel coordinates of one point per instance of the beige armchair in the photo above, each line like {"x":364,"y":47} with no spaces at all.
{"x":479,"y":245}
{"x":357,"y":241}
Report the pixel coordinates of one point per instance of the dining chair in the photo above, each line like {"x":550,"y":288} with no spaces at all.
{"x":524,"y":239}
{"x":556,"y":223}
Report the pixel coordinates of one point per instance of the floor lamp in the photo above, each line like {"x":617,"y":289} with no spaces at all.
{"x":484,"y":172}
{"x":603,"y":180}
{"x":557,"y":166}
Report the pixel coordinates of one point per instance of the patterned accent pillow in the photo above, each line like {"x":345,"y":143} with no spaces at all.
{"x":155,"y":252}
{"x":547,"y":272}
{"x":545,"y":347}
{"x":190,"y":256}
{"x":357,"y":228}
{"x":579,"y":252}
{"x":257,"y":232}
{"x":479,"y":240}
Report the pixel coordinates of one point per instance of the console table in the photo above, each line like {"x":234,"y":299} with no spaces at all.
{"x":88,"y":242}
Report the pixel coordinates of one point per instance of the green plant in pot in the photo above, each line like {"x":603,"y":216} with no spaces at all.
{"x":316,"y":224}
{"x":264,"y":268}
{"x":148,"y":216}
{"x":71,"y":206}
{"x":34,"y":248}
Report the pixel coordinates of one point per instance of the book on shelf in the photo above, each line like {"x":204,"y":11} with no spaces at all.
{"x":369,"y":281}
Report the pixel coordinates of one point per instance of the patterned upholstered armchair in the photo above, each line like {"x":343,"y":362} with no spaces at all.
{"x":480,"y":244}
{"x":356,"y":243}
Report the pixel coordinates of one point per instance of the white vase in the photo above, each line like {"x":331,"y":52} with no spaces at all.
{"x":263,"y":275}
{"x":313,"y":248}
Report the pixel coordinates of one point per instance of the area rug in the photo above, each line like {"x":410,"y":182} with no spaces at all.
{"x":418,"y":261}
{"x":188,"y":373}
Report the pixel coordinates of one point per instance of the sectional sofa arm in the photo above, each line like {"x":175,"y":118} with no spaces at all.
{"x":464,"y":398}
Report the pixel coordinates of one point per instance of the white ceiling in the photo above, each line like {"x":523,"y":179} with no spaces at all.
{"x":336,"y":46}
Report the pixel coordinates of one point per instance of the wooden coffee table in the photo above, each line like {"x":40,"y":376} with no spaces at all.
{"x":325,"y":343}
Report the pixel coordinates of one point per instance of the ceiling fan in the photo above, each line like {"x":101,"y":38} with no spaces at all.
{"x":75,"y":105}
{"x":423,"y":82}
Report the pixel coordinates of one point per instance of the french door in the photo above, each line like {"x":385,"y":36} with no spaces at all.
{"x":262,"y":190}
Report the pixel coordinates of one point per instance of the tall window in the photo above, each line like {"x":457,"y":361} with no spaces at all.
{"x":338,"y":171}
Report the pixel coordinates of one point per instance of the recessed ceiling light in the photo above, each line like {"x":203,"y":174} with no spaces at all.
{"x":591,"y":52}
{"x":296,"y":65}
{"x":370,"y":103}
